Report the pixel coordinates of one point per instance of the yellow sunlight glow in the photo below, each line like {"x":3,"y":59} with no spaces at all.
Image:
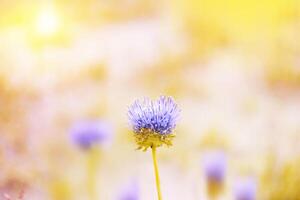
{"x":47,"y":23}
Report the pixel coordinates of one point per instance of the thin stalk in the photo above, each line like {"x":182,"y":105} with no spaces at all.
{"x":156,"y":173}
{"x":92,"y":165}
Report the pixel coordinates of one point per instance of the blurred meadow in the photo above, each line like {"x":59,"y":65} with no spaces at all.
{"x":232,"y":66}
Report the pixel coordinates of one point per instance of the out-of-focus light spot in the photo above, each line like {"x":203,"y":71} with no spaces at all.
{"x":47,"y":23}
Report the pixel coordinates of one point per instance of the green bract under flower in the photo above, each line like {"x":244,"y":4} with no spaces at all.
{"x":147,"y":138}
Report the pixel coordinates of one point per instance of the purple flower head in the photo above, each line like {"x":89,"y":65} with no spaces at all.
{"x":245,"y":189}
{"x":130,"y":192}
{"x":87,"y":134}
{"x":159,"y":116}
{"x":215,"y":166}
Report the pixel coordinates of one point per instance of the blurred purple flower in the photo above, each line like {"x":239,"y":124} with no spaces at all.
{"x":87,"y":134}
{"x":245,"y":189}
{"x":159,"y":116}
{"x":130,"y":192}
{"x":215,"y":166}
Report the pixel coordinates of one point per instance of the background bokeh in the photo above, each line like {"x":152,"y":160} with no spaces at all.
{"x":232,"y":66}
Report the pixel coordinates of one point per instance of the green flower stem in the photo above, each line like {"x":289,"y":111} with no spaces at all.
{"x":156,"y":173}
{"x":92,"y":165}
